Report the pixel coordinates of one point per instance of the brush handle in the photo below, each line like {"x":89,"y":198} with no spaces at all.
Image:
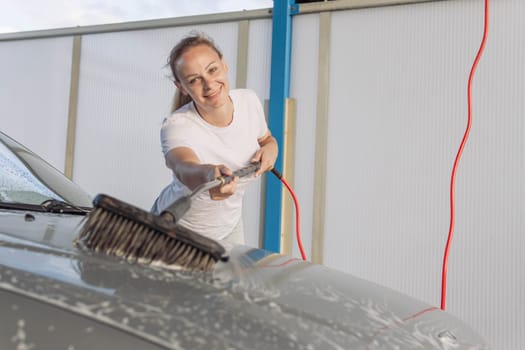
{"x":221,"y":180}
{"x":242,"y":172}
{"x":176,"y":210}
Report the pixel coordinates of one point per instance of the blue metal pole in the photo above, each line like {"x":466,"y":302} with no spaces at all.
{"x":279,"y":92}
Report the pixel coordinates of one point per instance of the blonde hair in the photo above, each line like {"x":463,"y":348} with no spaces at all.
{"x":192,"y":40}
{"x":179,"y":100}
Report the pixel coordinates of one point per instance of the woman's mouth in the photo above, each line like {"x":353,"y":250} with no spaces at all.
{"x":213,"y":94}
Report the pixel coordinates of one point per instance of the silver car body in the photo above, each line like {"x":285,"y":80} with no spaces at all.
{"x":54,"y":295}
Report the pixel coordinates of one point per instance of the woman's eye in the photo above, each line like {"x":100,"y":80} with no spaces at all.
{"x":213,"y":69}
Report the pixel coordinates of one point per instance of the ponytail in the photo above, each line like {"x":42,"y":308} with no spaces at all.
{"x":179,"y":100}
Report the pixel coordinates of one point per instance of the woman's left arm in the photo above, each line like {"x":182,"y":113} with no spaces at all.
{"x":267,"y":154}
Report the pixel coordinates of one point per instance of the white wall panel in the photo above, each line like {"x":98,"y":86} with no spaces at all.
{"x":125,"y":93}
{"x":398,"y":111}
{"x":258,"y":79}
{"x":303,"y":87}
{"x":259,"y":57}
{"x":34,"y":94}
{"x":486,"y":275}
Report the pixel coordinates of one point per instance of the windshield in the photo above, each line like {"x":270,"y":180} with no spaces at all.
{"x":26,"y":178}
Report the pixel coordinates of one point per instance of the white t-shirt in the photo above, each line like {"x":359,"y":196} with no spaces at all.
{"x":233,"y":146}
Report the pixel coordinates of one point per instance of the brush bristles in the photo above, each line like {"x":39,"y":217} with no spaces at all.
{"x":116,"y":235}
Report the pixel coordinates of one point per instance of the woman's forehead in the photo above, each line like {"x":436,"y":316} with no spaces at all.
{"x":204,"y":51}
{"x":197,"y":57}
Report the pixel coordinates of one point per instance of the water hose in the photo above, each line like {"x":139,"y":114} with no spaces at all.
{"x":297,"y":211}
{"x":458,"y":156}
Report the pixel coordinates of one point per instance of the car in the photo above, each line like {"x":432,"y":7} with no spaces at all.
{"x":55,"y":294}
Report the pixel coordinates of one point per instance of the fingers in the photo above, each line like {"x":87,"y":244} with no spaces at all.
{"x":224,"y":191}
{"x":222,"y":170}
{"x":267,"y":161}
{"x":257,"y":158}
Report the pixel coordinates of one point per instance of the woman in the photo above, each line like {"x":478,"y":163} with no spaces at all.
{"x":212,"y":132}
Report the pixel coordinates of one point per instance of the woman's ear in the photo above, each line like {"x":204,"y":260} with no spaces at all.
{"x":180,"y":87}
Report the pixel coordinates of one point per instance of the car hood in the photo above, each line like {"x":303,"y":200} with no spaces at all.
{"x":255,"y":300}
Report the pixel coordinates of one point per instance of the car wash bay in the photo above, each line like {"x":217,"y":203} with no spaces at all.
{"x":377,"y":108}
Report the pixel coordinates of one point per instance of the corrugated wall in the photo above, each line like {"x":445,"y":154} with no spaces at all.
{"x":397,"y":79}
{"x":34,"y":90}
{"x":397,"y":113}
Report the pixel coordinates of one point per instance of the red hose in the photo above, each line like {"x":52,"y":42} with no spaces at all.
{"x":297,"y":219}
{"x":297,"y":212}
{"x":458,"y":156}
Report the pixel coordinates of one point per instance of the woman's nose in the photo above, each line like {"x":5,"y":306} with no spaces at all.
{"x":206,"y":82}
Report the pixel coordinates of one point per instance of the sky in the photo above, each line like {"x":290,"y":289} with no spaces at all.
{"x":26,"y":15}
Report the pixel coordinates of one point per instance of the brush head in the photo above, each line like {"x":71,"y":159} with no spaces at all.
{"x":117,"y":228}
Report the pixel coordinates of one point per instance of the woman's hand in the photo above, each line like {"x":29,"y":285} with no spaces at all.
{"x":267,"y":154}
{"x":226,"y":190}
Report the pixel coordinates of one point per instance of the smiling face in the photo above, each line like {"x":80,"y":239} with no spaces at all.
{"x":202,"y":75}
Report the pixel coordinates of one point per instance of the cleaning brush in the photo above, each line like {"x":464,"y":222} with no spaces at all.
{"x":120,"y":229}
